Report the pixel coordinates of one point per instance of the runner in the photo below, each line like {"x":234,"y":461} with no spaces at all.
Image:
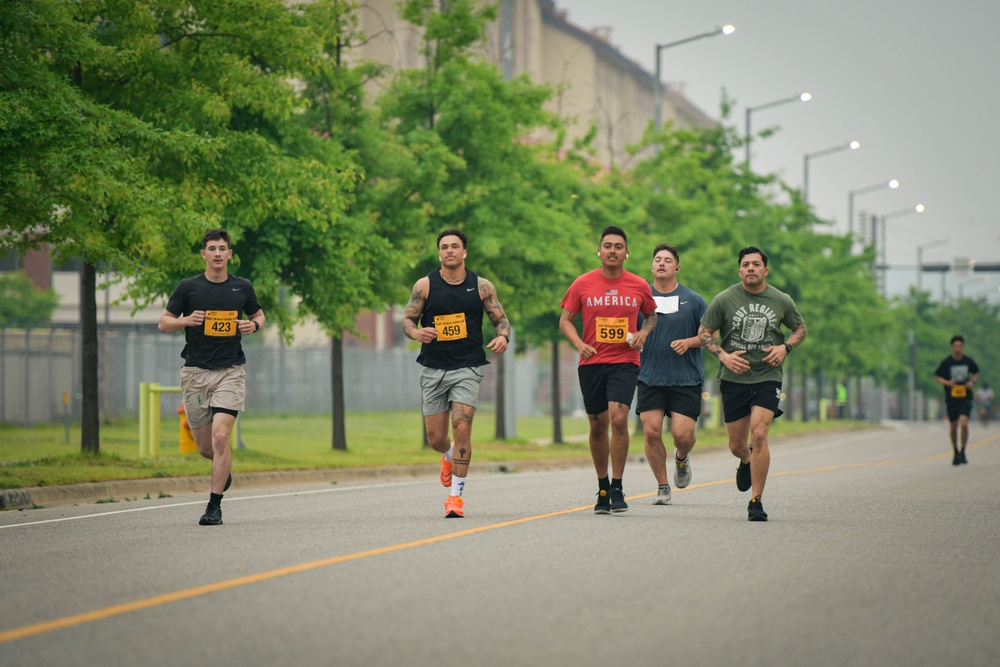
{"x":958,"y":373}
{"x":210,"y":308}
{"x":671,"y":374}
{"x":610,"y":300}
{"x":445,"y":314}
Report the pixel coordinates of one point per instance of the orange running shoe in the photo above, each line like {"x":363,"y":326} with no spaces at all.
{"x":446,"y":468}
{"x":454,"y":508}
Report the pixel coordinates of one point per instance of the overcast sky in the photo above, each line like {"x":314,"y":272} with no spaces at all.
{"x":915,"y":81}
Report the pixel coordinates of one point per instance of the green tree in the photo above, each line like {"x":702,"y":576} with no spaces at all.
{"x":22,"y":304}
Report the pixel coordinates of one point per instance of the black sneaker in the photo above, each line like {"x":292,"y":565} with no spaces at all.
{"x":957,"y":459}
{"x":618,"y":503}
{"x":229,"y":483}
{"x":212,"y":516}
{"x":743,"y":481}
{"x":603,"y":505}
{"x":755,"y":511}
{"x":962,"y":455}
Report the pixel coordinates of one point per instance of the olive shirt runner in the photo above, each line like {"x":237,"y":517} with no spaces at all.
{"x":216,"y":343}
{"x":610,"y":310}
{"x":751,"y":322}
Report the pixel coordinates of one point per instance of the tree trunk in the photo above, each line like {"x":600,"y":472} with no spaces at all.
{"x":787,"y":386}
{"x":501,"y":389}
{"x":90,"y":436}
{"x":337,"y":392}
{"x":557,"y":434}
{"x":805,"y":389}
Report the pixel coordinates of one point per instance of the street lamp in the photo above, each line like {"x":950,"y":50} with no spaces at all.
{"x":919,"y":208}
{"x":920,"y":263}
{"x":854,"y":145}
{"x":892,"y":185}
{"x":802,"y":97}
{"x":727,"y":29}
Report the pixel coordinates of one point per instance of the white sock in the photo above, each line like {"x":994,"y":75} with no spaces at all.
{"x":457,"y":485}
{"x":448,"y":454}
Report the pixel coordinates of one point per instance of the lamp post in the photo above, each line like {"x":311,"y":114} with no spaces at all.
{"x":854,"y":145}
{"x":920,"y":262}
{"x":919,"y":208}
{"x":727,"y":29}
{"x":892,"y":185}
{"x":802,"y":97}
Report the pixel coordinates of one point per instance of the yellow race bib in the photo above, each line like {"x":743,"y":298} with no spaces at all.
{"x":451,"y":327}
{"x":220,"y":322}
{"x":959,"y":391}
{"x":612,"y":329}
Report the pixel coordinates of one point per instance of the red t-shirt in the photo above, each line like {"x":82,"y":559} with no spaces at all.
{"x":610,"y":309}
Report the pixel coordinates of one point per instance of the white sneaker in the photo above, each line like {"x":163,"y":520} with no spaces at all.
{"x":682,"y":472}
{"x":663,"y":496}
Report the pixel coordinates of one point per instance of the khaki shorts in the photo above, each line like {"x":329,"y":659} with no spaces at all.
{"x":206,"y":389}
{"x":440,"y":388}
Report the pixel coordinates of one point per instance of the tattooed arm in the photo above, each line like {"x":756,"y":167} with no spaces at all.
{"x":733,"y":361}
{"x":414,"y":309}
{"x":776,"y":353}
{"x":648,"y":324}
{"x":491,"y":304}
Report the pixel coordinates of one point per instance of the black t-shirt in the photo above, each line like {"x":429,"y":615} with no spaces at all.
{"x":959,"y":370}
{"x":216,"y":343}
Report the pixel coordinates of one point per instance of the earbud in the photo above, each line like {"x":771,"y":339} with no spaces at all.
{"x":464,"y":256}
{"x":626,"y":255}
{"x":598,"y":254}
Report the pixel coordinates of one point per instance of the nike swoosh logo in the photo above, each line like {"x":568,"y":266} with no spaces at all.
{"x":683,"y":302}
{"x":235,"y":289}
{"x":471,"y":289}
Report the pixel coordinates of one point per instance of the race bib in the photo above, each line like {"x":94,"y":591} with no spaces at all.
{"x":612,"y":329}
{"x":220,"y":322}
{"x":451,"y":327}
{"x":959,"y":391}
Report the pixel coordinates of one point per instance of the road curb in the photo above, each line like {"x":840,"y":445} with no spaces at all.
{"x":77,"y":494}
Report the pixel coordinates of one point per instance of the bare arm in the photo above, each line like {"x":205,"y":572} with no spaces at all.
{"x":566,"y":327}
{"x":734,"y":361}
{"x":776,"y":353}
{"x":414,"y":310}
{"x":169,"y":323}
{"x":491,"y":304}
{"x":648,"y":324}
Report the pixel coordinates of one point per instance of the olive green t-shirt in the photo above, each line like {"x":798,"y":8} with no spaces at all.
{"x":751,"y":322}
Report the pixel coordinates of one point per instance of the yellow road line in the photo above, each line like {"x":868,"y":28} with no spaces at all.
{"x":155,"y":601}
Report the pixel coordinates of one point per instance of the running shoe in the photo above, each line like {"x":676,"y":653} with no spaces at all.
{"x":957,"y":459}
{"x":229,"y":483}
{"x":663,"y":495}
{"x":743,"y":481}
{"x":962,"y":454}
{"x":446,"y":468}
{"x":212,"y":516}
{"x":618,"y":503}
{"x":682,"y":472}
{"x":755,"y":511}
{"x":454,"y":507}
{"x":603,"y":505}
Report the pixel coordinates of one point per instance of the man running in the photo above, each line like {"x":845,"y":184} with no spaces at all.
{"x":749,"y":316}
{"x":210,"y":308}
{"x":445,"y":314}
{"x":610,"y":300}
{"x":958,"y":373}
{"x":670,"y":374}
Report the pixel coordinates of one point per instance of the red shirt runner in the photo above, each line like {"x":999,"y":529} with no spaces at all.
{"x":610,"y":310}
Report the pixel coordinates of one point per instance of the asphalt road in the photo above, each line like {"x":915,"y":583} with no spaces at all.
{"x":878,"y":552}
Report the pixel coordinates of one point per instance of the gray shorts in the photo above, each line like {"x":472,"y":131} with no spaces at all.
{"x":206,"y":389}
{"x":440,"y":388}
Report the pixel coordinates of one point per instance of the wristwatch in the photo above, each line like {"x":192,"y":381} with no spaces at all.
{"x":256,"y":326}
{"x":506,"y":336}
{"x":788,"y":348}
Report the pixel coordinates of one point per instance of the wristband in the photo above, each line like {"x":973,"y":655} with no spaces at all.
{"x":506,"y":336}
{"x":788,"y":348}
{"x":256,"y":326}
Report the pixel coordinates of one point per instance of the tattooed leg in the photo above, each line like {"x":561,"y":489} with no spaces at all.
{"x":461,"y":428}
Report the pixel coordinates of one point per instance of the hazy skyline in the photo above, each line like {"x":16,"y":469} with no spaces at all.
{"x":912,"y":81}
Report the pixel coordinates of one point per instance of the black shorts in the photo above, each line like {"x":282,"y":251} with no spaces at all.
{"x":737,"y":399}
{"x":958,"y":408}
{"x":682,"y":400}
{"x":607,"y":383}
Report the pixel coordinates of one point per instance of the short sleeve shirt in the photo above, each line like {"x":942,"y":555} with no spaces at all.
{"x":610,"y":309}
{"x":678,"y":314}
{"x":751,"y":322}
{"x":959,"y":370}
{"x":216,"y":343}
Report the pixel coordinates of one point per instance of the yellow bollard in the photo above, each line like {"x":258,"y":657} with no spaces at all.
{"x":188,"y":444}
{"x":143,"y":420}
